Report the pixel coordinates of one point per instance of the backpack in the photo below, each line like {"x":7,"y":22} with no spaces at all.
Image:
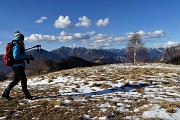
{"x":8,"y":57}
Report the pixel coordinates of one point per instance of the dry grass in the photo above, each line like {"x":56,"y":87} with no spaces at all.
{"x":105,"y":86}
{"x":170,"y":107}
{"x":56,"y":107}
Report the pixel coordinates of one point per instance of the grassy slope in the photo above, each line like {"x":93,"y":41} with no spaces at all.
{"x":118,"y":91}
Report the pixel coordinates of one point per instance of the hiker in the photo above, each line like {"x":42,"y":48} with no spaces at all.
{"x":18,"y":66}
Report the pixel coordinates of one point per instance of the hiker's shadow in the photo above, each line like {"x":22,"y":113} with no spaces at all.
{"x":126,"y":88}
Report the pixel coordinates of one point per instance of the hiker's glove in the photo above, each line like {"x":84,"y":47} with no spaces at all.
{"x":30,"y":57}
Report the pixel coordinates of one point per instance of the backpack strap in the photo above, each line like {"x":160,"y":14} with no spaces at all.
{"x":15,"y":41}
{"x":22,"y":49}
{"x":12,"y":45}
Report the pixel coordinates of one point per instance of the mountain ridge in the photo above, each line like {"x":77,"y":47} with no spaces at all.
{"x":102,"y":56}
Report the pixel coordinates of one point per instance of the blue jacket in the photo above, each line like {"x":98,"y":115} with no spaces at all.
{"x":19,"y":55}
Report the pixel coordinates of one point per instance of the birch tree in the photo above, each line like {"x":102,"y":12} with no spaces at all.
{"x":136,"y":50}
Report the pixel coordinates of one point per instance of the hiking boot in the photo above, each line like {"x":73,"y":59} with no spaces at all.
{"x":4,"y":95}
{"x":30,"y":98}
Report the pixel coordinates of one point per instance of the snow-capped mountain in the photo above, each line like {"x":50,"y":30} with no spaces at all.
{"x":102,"y":56}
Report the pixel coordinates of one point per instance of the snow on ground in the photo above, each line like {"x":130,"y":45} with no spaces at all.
{"x":158,"y":111}
{"x":132,"y":91}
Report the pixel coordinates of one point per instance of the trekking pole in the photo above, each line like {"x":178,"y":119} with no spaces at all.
{"x":32,"y":58}
{"x":37,"y":46}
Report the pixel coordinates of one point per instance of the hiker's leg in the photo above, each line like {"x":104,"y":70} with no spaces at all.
{"x":12,"y":84}
{"x":23,"y":79}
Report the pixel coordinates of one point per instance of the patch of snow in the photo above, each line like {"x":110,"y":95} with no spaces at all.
{"x":57,"y":106}
{"x":67,"y":101}
{"x":103,"y":118}
{"x":2,"y":118}
{"x":158,"y":112}
{"x":87,"y":116}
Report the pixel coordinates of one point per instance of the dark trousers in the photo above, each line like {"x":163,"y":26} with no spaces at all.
{"x":19,"y":75}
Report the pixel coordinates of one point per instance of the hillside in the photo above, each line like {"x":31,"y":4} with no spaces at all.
{"x":108,"y":92}
{"x":171,"y":55}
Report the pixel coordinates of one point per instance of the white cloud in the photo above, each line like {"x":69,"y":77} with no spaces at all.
{"x":64,"y":36}
{"x":119,"y":39}
{"x":107,"y":38}
{"x":1,"y":43}
{"x":167,"y":44}
{"x":171,"y":43}
{"x":157,"y":34}
{"x":100,"y":37}
{"x":85,"y":42}
{"x":83,"y":22}
{"x":40,"y":37}
{"x":42,"y":19}
{"x":102,"y":23}
{"x":91,"y":33}
{"x":104,"y":40}
{"x":143,"y":34}
{"x":100,"y":45}
{"x":63,"y":22}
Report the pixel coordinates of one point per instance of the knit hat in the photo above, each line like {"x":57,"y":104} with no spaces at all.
{"x":18,"y":36}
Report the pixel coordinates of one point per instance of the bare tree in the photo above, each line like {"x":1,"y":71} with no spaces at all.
{"x":136,"y":49}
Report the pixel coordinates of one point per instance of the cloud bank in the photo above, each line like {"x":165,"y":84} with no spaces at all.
{"x":92,"y":38}
{"x":143,"y":34}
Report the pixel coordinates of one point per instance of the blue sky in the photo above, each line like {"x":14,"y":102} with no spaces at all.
{"x":90,"y":23}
